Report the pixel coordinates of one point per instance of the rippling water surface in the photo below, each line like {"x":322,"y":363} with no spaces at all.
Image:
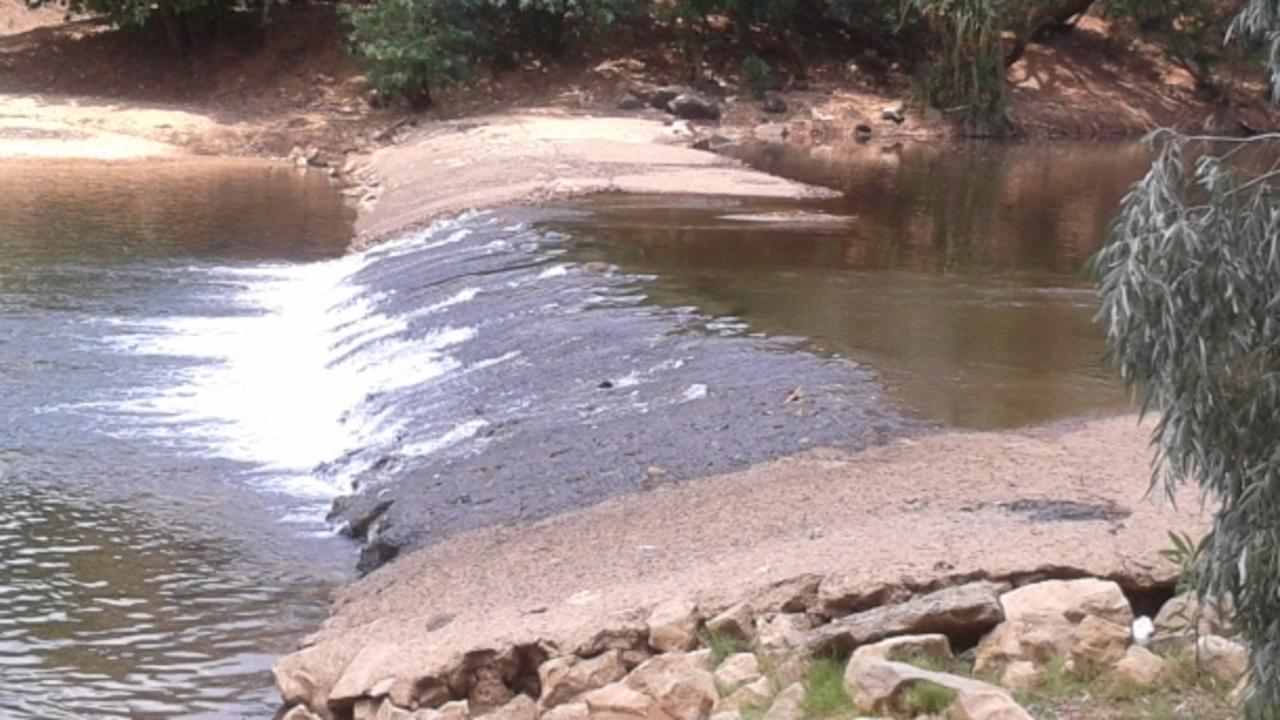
{"x":153,"y":558}
{"x":191,"y":370}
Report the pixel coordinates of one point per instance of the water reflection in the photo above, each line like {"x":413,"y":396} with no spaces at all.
{"x":138,"y":579}
{"x":958,"y":277}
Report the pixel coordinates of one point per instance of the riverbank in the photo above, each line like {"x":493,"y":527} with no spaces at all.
{"x":824,"y":533}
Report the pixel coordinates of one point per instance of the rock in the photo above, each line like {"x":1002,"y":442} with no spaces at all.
{"x":788,"y":705}
{"x":877,"y":685}
{"x":1226,"y":660}
{"x":736,"y":671}
{"x":662,"y":97}
{"x":737,"y":623}
{"x":962,"y":611}
{"x":299,"y":712}
{"x":693,"y":107}
{"x":754,"y":695}
{"x":1098,"y":643}
{"x":618,"y":698}
{"x":727,"y":715}
{"x":774,"y":105}
{"x":1067,"y":600}
{"x":1020,"y":676}
{"x":935,"y":647}
{"x":701,"y":659}
{"x":457,"y":710}
{"x":1141,"y":667}
{"x":680,"y":686}
{"x":1181,"y":614}
{"x":771,"y":132}
{"x":994,"y":705}
{"x":782,"y":632}
{"x":568,"y":711}
{"x":564,"y":678}
{"x":1041,"y":619}
{"x":488,"y":690}
{"x":630,"y":102}
{"x":673,"y":626}
{"x":893,"y":115}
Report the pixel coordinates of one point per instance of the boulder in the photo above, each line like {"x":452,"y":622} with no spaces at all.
{"x":679,"y":684}
{"x":737,"y":623}
{"x":754,"y":695}
{"x":299,"y":712}
{"x":662,"y":97}
{"x":1068,"y":601}
{"x":630,"y":102}
{"x":727,"y":715}
{"x":877,"y":686}
{"x":566,"y":677}
{"x":995,"y":705}
{"x":788,"y":705}
{"x":1041,"y":619}
{"x":893,"y":114}
{"x":736,"y":671}
{"x":673,"y":626}
{"x":782,"y":632}
{"x":1141,"y":668}
{"x":1226,"y":660}
{"x":457,"y":710}
{"x":693,"y":107}
{"x":1184,"y":616}
{"x":521,"y":707}
{"x":568,"y":711}
{"x":1020,"y":676}
{"x":618,"y":699}
{"x":934,"y":647}
{"x":1098,"y":643}
{"x":962,"y":611}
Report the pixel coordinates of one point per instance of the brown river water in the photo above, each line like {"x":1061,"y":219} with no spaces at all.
{"x":191,"y":369}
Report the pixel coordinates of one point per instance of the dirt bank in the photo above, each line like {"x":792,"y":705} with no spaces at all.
{"x":1067,"y":499}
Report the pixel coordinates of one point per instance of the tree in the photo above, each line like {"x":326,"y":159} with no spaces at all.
{"x":184,"y":22}
{"x":1190,"y":289}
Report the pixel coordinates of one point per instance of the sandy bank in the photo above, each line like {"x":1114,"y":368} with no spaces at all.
{"x":80,"y":129}
{"x":532,"y":156}
{"x":1069,"y":499}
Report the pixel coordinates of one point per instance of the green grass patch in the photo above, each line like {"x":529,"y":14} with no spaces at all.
{"x":722,"y":646}
{"x":824,"y":695}
{"x":925,"y":698}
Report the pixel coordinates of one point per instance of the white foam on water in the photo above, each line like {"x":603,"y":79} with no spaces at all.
{"x":464,"y":431}
{"x":279,"y":378}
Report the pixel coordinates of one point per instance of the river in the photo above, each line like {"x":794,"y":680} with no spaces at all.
{"x":192,"y":369}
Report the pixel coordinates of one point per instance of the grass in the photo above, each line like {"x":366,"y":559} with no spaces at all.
{"x":925,"y":698}
{"x":722,"y":646}
{"x":951,"y":665}
{"x":1186,"y":693}
{"x":824,"y":695}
